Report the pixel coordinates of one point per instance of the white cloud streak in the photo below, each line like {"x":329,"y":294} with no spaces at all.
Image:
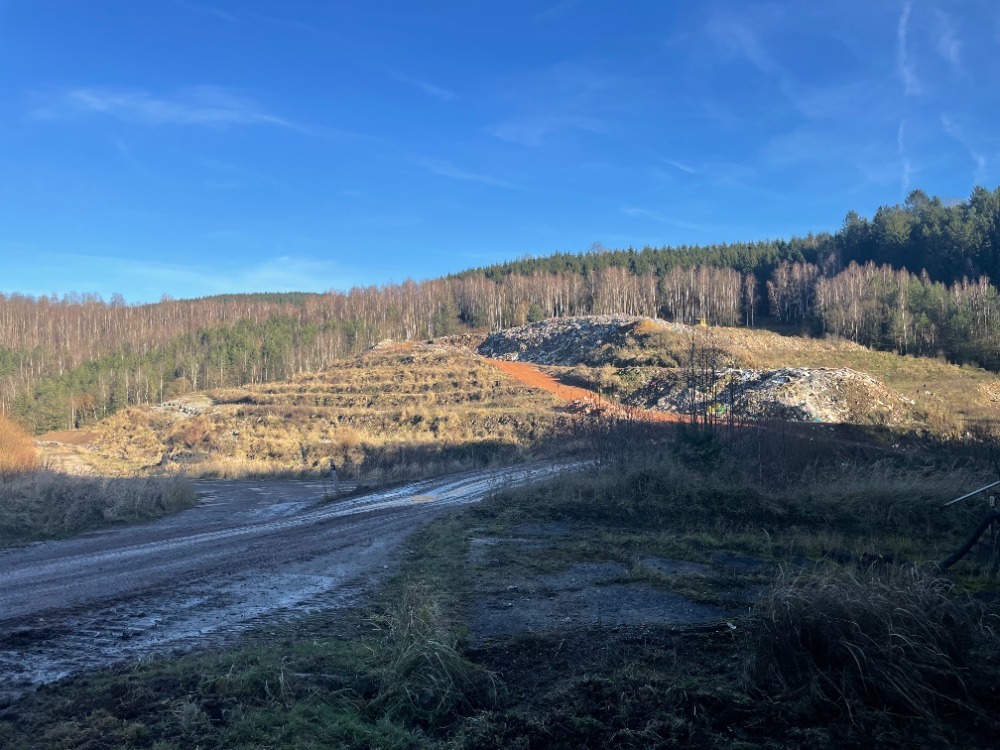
{"x":681,"y":166}
{"x":444,"y":168}
{"x":949,"y":46}
{"x":739,"y":39}
{"x":438,"y":92}
{"x":147,"y":280}
{"x":208,"y":9}
{"x":555,"y":11}
{"x":904,"y":65}
{"x":906,"y":168}
{"x":534,"y":130}
{"x":206,"y":106}
{"x":958,"y":133}
{"x":645,"y":213}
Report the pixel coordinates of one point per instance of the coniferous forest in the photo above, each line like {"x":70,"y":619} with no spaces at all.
{"x":919,"y":278}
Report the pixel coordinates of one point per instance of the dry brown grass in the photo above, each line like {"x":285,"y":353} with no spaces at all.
{"x":386,"y":414}
{"x":42,"y":504}
{"x":17,"y":449}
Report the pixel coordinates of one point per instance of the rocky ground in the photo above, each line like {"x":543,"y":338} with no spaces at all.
{"x":817,"y":394}
{"x":565,"y":341}
{"x":794,"y":393}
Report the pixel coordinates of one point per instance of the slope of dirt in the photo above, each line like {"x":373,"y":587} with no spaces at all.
{"x":585,"y":400}
{"x":566,"y":341}
{"x":66,"y":458}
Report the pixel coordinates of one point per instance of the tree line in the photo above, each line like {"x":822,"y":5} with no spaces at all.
{"x":65,"y":362}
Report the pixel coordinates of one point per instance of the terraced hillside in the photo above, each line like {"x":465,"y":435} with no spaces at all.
{"x":395,"y":410}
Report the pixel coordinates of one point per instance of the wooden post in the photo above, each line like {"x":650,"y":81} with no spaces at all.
{"x":334,"y":479}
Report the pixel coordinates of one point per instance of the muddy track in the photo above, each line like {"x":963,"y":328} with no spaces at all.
{"x":250,"y":553}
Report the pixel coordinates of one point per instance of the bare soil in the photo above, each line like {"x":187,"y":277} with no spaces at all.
{"x":535,"y":378}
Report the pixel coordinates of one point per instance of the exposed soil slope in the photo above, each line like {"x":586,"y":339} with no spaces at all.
{"x":585,"y":399}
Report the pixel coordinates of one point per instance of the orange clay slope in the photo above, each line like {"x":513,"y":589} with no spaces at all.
{"x":535,"y":378}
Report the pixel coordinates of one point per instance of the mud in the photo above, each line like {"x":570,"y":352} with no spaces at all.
{"x":252,"y":552}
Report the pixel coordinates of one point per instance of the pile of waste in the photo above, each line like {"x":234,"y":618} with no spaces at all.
{"x":806,"y":394}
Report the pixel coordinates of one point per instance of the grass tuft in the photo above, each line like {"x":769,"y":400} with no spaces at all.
{"x":891,"y":638}
{"x":423,"y":676}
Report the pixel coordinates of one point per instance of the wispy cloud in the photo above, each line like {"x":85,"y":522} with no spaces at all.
{"x":906,"y":166}
{"x":645,"y":213}
{"x":243,"y":15}
{"x":904,"y":64}
{"x":438,"y":92}
{"x":206,"y":106}
{"x":292,"y":24}
{"x":737,"y":38}
{"x":207,"y":9}
{"x":555,"y":11}
{"x":444,"y":168}
{"x":953,"y":129}
{"x":227,"y":176}
{"x":949,"y":46}
{"x":533,"y":130}
{"x":565,"y":97}
{"x":681,"y":166}
{"x":147,"y":280}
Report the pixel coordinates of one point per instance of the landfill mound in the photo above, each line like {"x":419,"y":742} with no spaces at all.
{"x":726,"y":386}
{"x":566,"y":341}
{"x":803,"y":394}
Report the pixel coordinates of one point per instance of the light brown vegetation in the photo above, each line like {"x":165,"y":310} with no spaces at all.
{"x":390,"y":412}
{"x":17,"y":449}
{"x":42,"y":504}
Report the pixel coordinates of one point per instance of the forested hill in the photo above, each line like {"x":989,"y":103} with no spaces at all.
{"x":950,"y":240}
{"x":915,"y":279}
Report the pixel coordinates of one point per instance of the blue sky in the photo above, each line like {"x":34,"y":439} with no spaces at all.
{"x":193,"y":147}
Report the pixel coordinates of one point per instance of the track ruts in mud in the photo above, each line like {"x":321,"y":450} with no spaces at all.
{"x":252,"y":552}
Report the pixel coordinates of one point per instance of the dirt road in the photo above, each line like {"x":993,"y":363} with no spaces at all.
{"x":532,"y":376}
{"x":252,"y":551}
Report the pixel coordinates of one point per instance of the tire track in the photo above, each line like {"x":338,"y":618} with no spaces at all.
{"x":252,"y":552}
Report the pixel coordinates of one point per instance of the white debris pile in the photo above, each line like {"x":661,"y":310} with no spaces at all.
{"x":190,"y":406}
{"x":565,"y":341}
{"x":794,"y":393}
